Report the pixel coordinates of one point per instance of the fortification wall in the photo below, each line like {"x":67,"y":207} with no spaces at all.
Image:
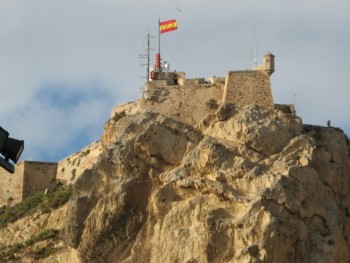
{"x":29,"y":178}
{"x":189,"y":103}
{"x":37,"y":176}
{"x":247,"y":88}
{"x":32,"y":177}
{"x":11,"y":185}
{"x":194,"y":100}
{"x":70,"y":168}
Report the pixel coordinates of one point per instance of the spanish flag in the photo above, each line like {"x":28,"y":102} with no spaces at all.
{"x":167,"y":26}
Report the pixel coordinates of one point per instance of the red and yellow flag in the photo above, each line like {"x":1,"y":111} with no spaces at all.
{"x":167,"y":26}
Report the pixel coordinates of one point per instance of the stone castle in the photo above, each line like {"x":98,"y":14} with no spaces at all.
{"x":167,"y":93}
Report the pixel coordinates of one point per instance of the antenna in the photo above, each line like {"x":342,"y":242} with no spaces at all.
{"x":254,"y":52}
{"x":147,"y":56}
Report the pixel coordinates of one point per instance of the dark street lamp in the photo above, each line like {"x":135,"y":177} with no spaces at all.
{"x":11,"y":149}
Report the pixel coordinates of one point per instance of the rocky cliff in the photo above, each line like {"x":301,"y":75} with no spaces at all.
{"x":244,"y":185}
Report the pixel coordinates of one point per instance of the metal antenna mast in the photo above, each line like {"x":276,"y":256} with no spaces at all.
{"x":147,"y":56}
{"x":254,"y":52}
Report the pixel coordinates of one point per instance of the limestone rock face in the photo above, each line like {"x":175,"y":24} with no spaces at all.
{"x":244,"y":185}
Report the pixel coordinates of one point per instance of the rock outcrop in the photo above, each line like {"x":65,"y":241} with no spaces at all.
{"x":243,"y":185}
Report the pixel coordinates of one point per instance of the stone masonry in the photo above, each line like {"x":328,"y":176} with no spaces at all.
{"x":248,"y":87}
{"x":32,"y":177}
{"x":29,"y":178}
{"x":190,"y":100}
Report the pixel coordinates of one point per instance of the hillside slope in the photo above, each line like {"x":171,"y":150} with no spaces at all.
{"x":244,"y":185}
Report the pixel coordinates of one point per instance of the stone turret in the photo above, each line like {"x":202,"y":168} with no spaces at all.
{"x":269,"y":63}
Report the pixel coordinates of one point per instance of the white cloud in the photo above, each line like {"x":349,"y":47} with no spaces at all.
{"x":89,"y":50}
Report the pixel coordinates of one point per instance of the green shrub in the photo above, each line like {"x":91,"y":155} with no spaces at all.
{"x":29,"y":242}
{"x":43,"y":252}
{"x":8,"y":252}
{"x":74,"y":173}
{"x":85,"y":153}
{"x":118,"y":115}
{"x":285,"y":108}
{"x":212,"y":104}
{"x":58,"y":197}
{"x":41,"y":200}
{"x":11,"y":214}
{"x":47,"y":234}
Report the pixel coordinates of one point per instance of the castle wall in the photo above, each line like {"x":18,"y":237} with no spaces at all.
{"x":189,"y":103}
{"x":248,"y":88}
{"x":11,"y":185}
{"x":194,"y":81}
{"x":37,"y":176}
{"x":193,"y":100}
{"x":29,"y":178}
{"x":217,"y":80}
{"x":32,"y":177}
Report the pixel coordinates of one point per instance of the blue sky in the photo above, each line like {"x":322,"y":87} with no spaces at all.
{"x":65,"y":64}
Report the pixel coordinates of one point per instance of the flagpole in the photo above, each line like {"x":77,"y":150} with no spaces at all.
{"x":159,"y":37}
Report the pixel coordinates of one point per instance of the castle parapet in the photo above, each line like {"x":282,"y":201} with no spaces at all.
{"x":170,"y":77}
{"x":217,"y":80}
{"x":268,"y":65}
{"x":194,"y":81}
